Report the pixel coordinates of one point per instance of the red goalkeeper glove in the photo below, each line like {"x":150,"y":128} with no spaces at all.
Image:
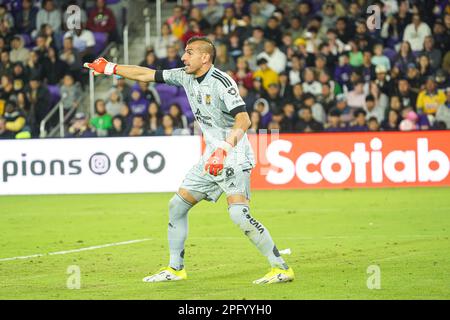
{"x":214,"y":165}
{"x":102,"y":66}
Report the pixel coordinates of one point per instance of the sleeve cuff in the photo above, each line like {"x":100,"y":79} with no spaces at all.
{"x":159,"y":76}
{"x":237,"y":110}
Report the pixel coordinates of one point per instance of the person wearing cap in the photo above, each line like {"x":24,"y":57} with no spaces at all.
{"x":430,"y":98}
{"x":345,"y":112}
{"x":80,"y":127}
{"x":264,"y":72}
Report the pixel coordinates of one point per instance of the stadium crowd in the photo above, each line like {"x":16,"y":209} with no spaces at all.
{"x":301,"y":66}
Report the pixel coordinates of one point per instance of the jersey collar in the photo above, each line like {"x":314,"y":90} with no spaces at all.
{"x":206,"y":75}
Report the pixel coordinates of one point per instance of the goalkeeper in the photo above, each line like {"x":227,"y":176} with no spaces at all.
{"x":226,"y":163}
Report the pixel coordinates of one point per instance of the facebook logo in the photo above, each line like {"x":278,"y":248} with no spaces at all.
{"x":127,"y":163}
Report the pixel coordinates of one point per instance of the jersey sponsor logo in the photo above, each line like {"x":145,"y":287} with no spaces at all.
{"x":202,"y":119}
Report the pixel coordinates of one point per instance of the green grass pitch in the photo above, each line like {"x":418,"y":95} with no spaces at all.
{"x":334,"y":236}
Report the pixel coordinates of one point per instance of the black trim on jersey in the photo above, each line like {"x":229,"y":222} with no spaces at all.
{"x":159,"y":76}
{"x":238,"y":109}
{"x":220,"y":79}
{"x":218,"y":76}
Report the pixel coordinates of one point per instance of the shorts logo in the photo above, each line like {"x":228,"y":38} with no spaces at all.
{"x":208,"y":99}
{"x":229,"y":172}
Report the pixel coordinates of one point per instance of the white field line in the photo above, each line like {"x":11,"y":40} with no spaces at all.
{"x":405,"y":237}
{"x":76,"y":250}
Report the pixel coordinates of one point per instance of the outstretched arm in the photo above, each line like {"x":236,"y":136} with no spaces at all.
{"x":102,"y":66}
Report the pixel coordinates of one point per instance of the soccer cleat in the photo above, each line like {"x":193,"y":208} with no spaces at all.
{"x":276,"y":275}
{"x":167,"y":274}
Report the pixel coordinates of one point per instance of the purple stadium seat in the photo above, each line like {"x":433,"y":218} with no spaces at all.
{"x":166,"y":93}
{"x":390,"y":53}
{"x":101,"y":39}
{"x":55,"y":94}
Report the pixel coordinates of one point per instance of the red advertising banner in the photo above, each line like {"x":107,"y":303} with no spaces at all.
{"x":351,"y":160}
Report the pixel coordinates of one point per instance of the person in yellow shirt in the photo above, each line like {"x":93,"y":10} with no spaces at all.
{"x":430,"y":99}
{"x":267,"y":75}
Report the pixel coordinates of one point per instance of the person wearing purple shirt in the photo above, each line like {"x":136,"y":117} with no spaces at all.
{"x":334,"y":123}
{"x":360,"y":121}
{"x":138,"y":104}
{"x":343,"y":70}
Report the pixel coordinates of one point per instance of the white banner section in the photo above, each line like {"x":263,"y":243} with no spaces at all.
{"x":96,"y":165}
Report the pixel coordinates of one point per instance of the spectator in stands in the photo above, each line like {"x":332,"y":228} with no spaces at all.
{"x":150,"y":60}
{"x":416,"y":32}
{"x":180,"y":121}
{"x":343,"y":70}
{"x":166,"y":128}
{"x":334,"y":123}
{"x":262,"y":106}
{"x":267,"y":75}
{"x":273,"y":97}
{"x":234,"y":46}
{"x":49,"y":37}
{"x":213,"y":12}
{"x":113,"y":103}
{"x":138,"y":103}
{"x":84,"y":42}
{"x":50,"y":15}
{"x":275,"y":58}
{"x":442,"y":79}
{"x":373,"y":125}
{"x":242,"y":73}
{"x":255,"y":118}
{"x":273,"y":32}
{"x":310,"y":101}
{"x":6,"y":65}
{"x":249,"y":57}
{"x":425,"y":69}
{"x":14,"y":117}
{"x":118,"y":127}
{"x":166,"y":40}
{"x":148,"y":92}
{"x":192,"y":31}
{"x":102,"y":19}
{"x":356,"y":98}
{"x":307,"y":123}
{"x":359,"y":123}
{"x":223,"y":60}
{"x":410,"y":121}
{"x":5,"y":133}
{"x":285,"y":87}
{"x":80,"y":127}
{"x":102,"y":121}
{"x":177,"y":22}
{"x":54,"y":67}
{"x":196,"y":14}
{"x":430,"y":98}
{"x":18,"y":52}
{"x":327,"y":97}
{"x":19,"y":78}
{"x":434,"y":55}
{"x":310,"y":84}
{"x":391,"y":122}
{"x":372,"y":109}
{"x":7,"y":91}
{"x":39,"y":98}
{"x":26,"y":17}
{"x":124,"y":90}
{"x":71,"y":56}
{"x":257,"y":40}
{"x":345,"y":112}
{"x":379,"y":59}
{"x":256,"y":16}
{"x":229,"y":21}
{"x":154,"y":117}
{"x":407,"y":97}
{"x":404,"y":57}
{"x":172,"y":60}
{"x":71,"y":93}
{"x":443,"y":112}
{"x":138,"y":127}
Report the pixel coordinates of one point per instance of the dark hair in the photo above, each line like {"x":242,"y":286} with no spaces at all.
{"x":205,"y":39}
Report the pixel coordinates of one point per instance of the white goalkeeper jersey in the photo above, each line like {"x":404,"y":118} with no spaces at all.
{"x":214,"y":99}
